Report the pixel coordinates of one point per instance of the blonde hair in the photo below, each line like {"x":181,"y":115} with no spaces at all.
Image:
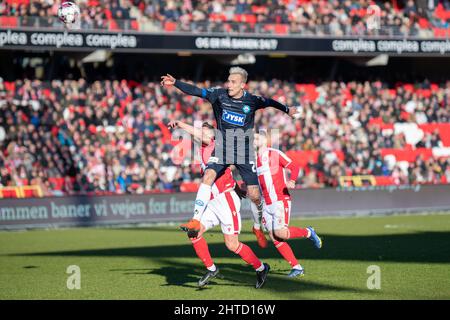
{"x":242,"y":72}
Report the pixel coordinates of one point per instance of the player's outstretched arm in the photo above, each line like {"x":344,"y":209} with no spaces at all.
{"x":291,"y":166}
{"x":292,"y":111}
{"x":168,"y":81}
{"x":196,"y":133}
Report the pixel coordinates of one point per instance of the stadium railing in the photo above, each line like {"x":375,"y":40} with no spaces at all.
{"x":229,"y":28}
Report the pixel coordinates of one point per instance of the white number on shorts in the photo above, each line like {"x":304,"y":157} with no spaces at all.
{"x":253,"y":166}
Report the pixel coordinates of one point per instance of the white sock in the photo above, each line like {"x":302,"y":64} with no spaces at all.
{"x":309,"y":233}
{"x":256,"y":214}
{"x":201,"y":201}
{"x":298,"y":267}
{"x":260,"y":268}
{"x":212,"y":268}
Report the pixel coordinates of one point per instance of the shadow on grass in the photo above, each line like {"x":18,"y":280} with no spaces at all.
{"x":174,"y":229}
{"x":421,"y":247}
{"x":233,"y":275}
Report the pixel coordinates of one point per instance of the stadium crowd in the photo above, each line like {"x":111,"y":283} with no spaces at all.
{"x":315,"y":17}
{"x":111,"y":136}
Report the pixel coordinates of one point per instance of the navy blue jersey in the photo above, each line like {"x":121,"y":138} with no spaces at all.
{"x":234,"y":113}
{"x":235,"y":121}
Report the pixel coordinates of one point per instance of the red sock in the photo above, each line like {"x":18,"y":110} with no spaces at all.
{"x":294,"y":232}
{"x":286,"y":252}
{"x":248,"y":255}
{"x":201,"y":248}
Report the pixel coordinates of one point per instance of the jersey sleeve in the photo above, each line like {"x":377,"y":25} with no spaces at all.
{"x":262,"y":103}
{"x":281,"y":157}
{"x":211,"y":94}
{"x":287,"y":163}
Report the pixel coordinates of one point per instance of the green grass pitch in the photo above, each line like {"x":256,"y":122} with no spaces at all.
{"x":412,"y":252}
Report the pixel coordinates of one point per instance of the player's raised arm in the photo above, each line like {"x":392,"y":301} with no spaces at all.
{"x":197,"y":133}
{"x":168,"y":81}
{"x":267,"y":102}
{"x":209,"y":94}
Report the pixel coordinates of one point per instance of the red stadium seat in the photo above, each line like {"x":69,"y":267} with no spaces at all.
{"x":217,"y":17}
{"x":57,"y":183}
{"x":340,"y":155}
{"x":269,"y":28}
{"x":429,"y":127}
{"x":170,"y":26}
{"x":6,"y":21}
{"x":376,"y":121}
{"x":108,"y":14}
{"x":189,"y":187}
{"x":443,"y":129}
{"x":25,"y":2}
{"x":113,"y":26}
{"x":426,"y":93}
{"x":259,"y":9}
{"x":408,"y":87}
{"x":444,"y":133}
{"x":440,"y":32}
{"x":408,"y":155}
{"x":249,"y":18}
{"x":93,"y":3}
{"x":384,"y":181}
{"x":434,"y":87}
{"x":29,"y":193}
{"x":303,"y":157}
{"x":10,"y":86}
{"x":134,"y":25}
{"x":309,"y":89}
{"x":424,"y":23}
{"x":281,"y":29}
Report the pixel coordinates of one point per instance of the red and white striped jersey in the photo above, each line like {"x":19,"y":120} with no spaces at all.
{"x":270,"y":168}
{"x":225,"y":181}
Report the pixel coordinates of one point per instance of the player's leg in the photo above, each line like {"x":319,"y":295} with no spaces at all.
{"x":246,"y":253}
{"x":208,"y":221}
{"x":248,"y":174}
{"x":286,"y":252}
{"x":203,"y":195}
{"x":227,"y":209}
{"x":271,"y":223}
{"x":256,"y":206}
{"x":283,"y":231}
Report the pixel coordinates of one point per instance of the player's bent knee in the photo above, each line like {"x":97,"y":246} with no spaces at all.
{"x":280,"y":234}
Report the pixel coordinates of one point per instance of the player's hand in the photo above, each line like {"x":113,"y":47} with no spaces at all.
{"x":172,"y":124}
{"x":294,"y":112}
{"x":290,"y":184}
{"x":167,"y":80}
{"x":192,"y":234}
{"x":240,"y":192}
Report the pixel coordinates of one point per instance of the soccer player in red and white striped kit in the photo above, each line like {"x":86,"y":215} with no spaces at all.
{"x":270,"y":168}
{"x":223,"y":209}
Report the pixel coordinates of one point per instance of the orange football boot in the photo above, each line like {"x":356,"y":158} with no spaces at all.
{"x":191,"y":225}
{"x":262,"y":241}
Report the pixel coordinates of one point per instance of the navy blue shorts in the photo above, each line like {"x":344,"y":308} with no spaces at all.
{"x":242,"y":157}
{"x":247,"y":171}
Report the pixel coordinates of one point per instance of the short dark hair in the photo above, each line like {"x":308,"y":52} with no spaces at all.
{"x":207,"y":125}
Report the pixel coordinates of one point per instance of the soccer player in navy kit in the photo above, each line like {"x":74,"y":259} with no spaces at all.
{"x":234,"y":111}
